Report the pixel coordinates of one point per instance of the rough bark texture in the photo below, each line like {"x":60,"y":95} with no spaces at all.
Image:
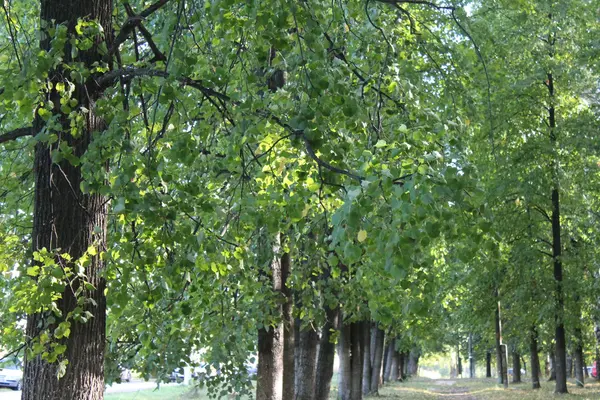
{"x":326,"y":356}
{"x":377,"y":360}
{"x":306,"y":364}
{"x":535,"y":360}
{"x":289,"y":332}
{"x":69,"y":220}
{"x":367,"y":359}
{"x":516,"y":357}
{"x":488,"y":364}
{"x":269,"y":385}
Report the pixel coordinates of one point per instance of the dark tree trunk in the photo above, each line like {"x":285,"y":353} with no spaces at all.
{"x":413,"y":362}
{"x":535,"y":359}
{"x":402,"y":366}
{"x":488,"y":364}
{"x":561,"y":348}
{"x":377,"y":360}
{"x":516,"y":367}
{"x":358,"y":340}
{"x":326,"y":355}
{"x":578,"y":357}
{"x":306,"y":364}
{"x":65,"y":218}
{"x":367,"y":359}
{"x":289,"y":373}
{"x":269,"y":385}
{"x":389,"y":354}
{"x":569,"y":366}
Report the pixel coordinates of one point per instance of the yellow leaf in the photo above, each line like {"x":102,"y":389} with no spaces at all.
{"x":362,"y":235}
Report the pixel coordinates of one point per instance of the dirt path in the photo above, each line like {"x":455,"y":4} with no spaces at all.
{"x":447,"y":389}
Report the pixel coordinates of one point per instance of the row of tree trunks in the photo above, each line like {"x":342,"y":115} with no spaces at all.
{"x":326,"y":356}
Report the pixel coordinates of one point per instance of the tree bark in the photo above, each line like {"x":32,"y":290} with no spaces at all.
{"x":413,"y":362}
{"x":552,"y":364}
{"x":535,"y":359}
{"x":307,"y":364}
{"x":516,"y":367}
{"x":402,"y":360}
{"x":488,"y":364}
{"x":387,"y":366}
{"x":578,"y":358}
{"x":357,"y":359}
{"x":289,"y":373}
{"x":269,"y":385}
{"x":326,"y":355}
{"x":395,"y":366}
{"x":377,"y":360}
{"x":367,"y":359}
{"x":499,"y":365}
{"x":569,"y":366}
{"x":65,"y":218}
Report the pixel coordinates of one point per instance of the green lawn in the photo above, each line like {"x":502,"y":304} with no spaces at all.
{"x":414,"y":389}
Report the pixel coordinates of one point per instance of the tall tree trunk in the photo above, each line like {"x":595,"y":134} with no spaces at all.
{"x":358,"y":340}
{"x":326,"y":355}
{"x":488,"y":364}
{"x":345,"y":367}
{"x":65,"y":218}
{"x":377,"y":360}
{"x":552,"y":364}
{"x":561,"y":347}
{"x":516,"y":367}
{"x":569,"y":366}
{"x":389,"y":354}
{"x":402,"y":360}
{"x":471,"y":357}
{"x":269,"y":385}
{"x":578,"y":358}
{"x":289,"y":373}
{"x":367,"y":359}
{"x":535,"y":359}
{"x":497,"y":325}
{"x":307,"y":364}
{"x":413,"y":362}
{"x":394,"y":366}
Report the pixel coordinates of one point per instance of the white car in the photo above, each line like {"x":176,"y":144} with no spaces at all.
{"x":11,"y":377}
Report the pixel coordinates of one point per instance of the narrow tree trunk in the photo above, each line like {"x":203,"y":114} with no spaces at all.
{"x":345,"y":368}
{"x":356,"y":347}
{"x":579,"y":366}
{"x":389,"y":355}
{"x":402,"y":366}
{"x":288,"y":325}
{"x":306,"y":357}
{"x":552,"y":363}
{"x":488,"y":364}
{"x":535,"y":359}
{"x":269,"y":385}
{"x":367,"y":359}
{"x":377,"y":360}
{"x":560,"y":343}
{"x":499,"y":365}
{"x":516,"y":367}
{"x":394,"y":366}
{"x":66,"y":220}
{"x":326,"y":355}
{"x":471,"y":357}
{"x":569,"y":366}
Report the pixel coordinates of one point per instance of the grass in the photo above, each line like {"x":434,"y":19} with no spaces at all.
{"x":414,"y":389}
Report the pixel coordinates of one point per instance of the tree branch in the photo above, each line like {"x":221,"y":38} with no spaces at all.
{"x":17,"y":133}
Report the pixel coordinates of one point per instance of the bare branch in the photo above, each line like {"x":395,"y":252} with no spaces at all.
{"x":17,"y":133}
{"x":132,"y":22}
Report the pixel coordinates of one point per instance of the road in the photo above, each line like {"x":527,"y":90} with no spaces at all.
{"x":135,"y":386}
